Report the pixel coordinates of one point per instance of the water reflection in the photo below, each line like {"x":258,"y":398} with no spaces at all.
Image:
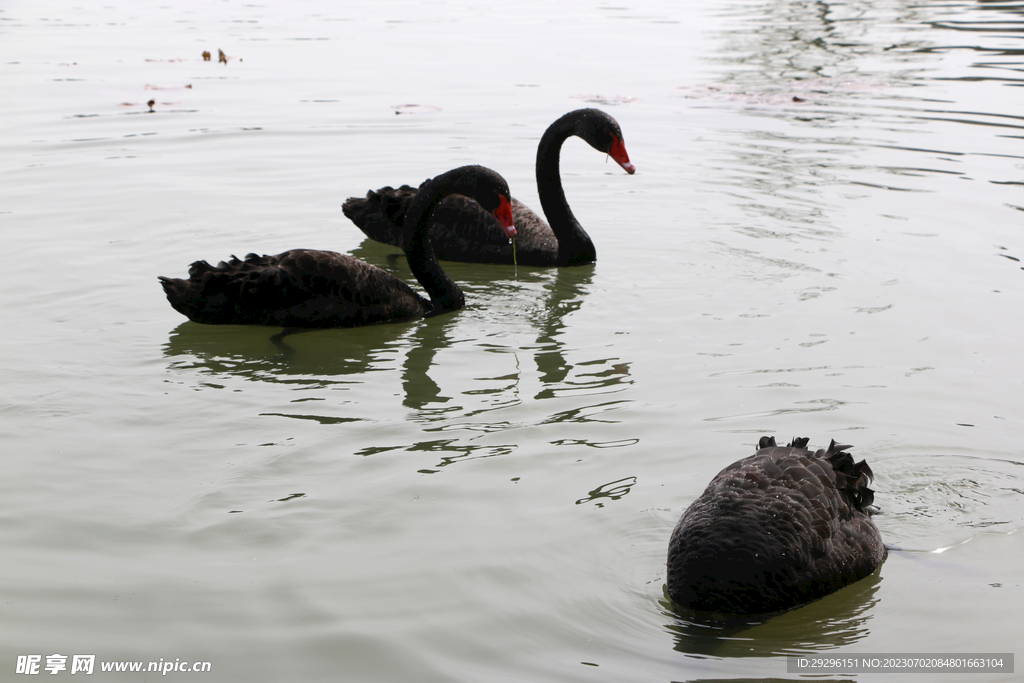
{"x":546,"y":297}
{"x":451,"y":449}
{"x":809,"y":39}
{"x":851,"y":94}
{"x":264,"y":354}
{"x":420,"y":390}
{"x":610,"y":491}
{"x":836,"y":621}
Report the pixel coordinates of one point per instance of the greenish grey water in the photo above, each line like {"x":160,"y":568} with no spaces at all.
{"x":821,"y":240}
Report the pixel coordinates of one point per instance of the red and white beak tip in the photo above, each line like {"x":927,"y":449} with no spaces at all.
{"x":618,"y":152}
{"x":504,"y":215}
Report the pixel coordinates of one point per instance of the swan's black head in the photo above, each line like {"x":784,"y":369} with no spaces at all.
{"x":488,"y":189}
{"x":602,"y":132}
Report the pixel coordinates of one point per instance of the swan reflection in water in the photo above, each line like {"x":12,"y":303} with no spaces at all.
{"x":836,"y":621}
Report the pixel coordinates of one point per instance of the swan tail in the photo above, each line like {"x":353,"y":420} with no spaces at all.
{"x":852,"y":478}
{"x":381,"y":214}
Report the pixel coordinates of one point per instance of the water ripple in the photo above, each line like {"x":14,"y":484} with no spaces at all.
{"x":931,"y":502}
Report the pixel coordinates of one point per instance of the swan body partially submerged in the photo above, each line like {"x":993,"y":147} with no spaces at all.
{"x":775,"y":530}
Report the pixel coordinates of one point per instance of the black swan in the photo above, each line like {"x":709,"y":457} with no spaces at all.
{"x":775,"y":530}
{"x":462,"y":232}
{"x":307,"y":288}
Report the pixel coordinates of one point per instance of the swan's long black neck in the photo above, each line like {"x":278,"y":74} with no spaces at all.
{"x":574,"y":245}
{"x":445,"y":295}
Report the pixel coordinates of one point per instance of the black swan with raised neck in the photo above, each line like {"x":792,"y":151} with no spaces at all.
{"x":310,"y":288}
{"x":460,"y":231}
{"x":775,"y":530}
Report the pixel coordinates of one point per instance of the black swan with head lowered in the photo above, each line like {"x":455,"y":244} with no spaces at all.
{"x":308,"y":288}
{"x":460,"y":231}
{"x":775,"y":530}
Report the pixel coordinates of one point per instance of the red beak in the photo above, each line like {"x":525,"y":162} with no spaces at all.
{"x":504,"y":215}
{"x":618,"y":152}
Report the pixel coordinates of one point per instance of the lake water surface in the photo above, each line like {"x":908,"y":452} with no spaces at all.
{"x":823,"y":238}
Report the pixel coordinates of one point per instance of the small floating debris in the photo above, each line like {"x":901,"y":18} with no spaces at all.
{"x":152,"y":103}
{"x":608,"y":99}
{"x":221,"y":57}
{"x":415,"y":108}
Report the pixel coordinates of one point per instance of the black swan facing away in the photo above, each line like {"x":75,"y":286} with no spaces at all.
{"x":307,"y":288}
{"x":460,"y":231}
{"x":775,"y":530}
